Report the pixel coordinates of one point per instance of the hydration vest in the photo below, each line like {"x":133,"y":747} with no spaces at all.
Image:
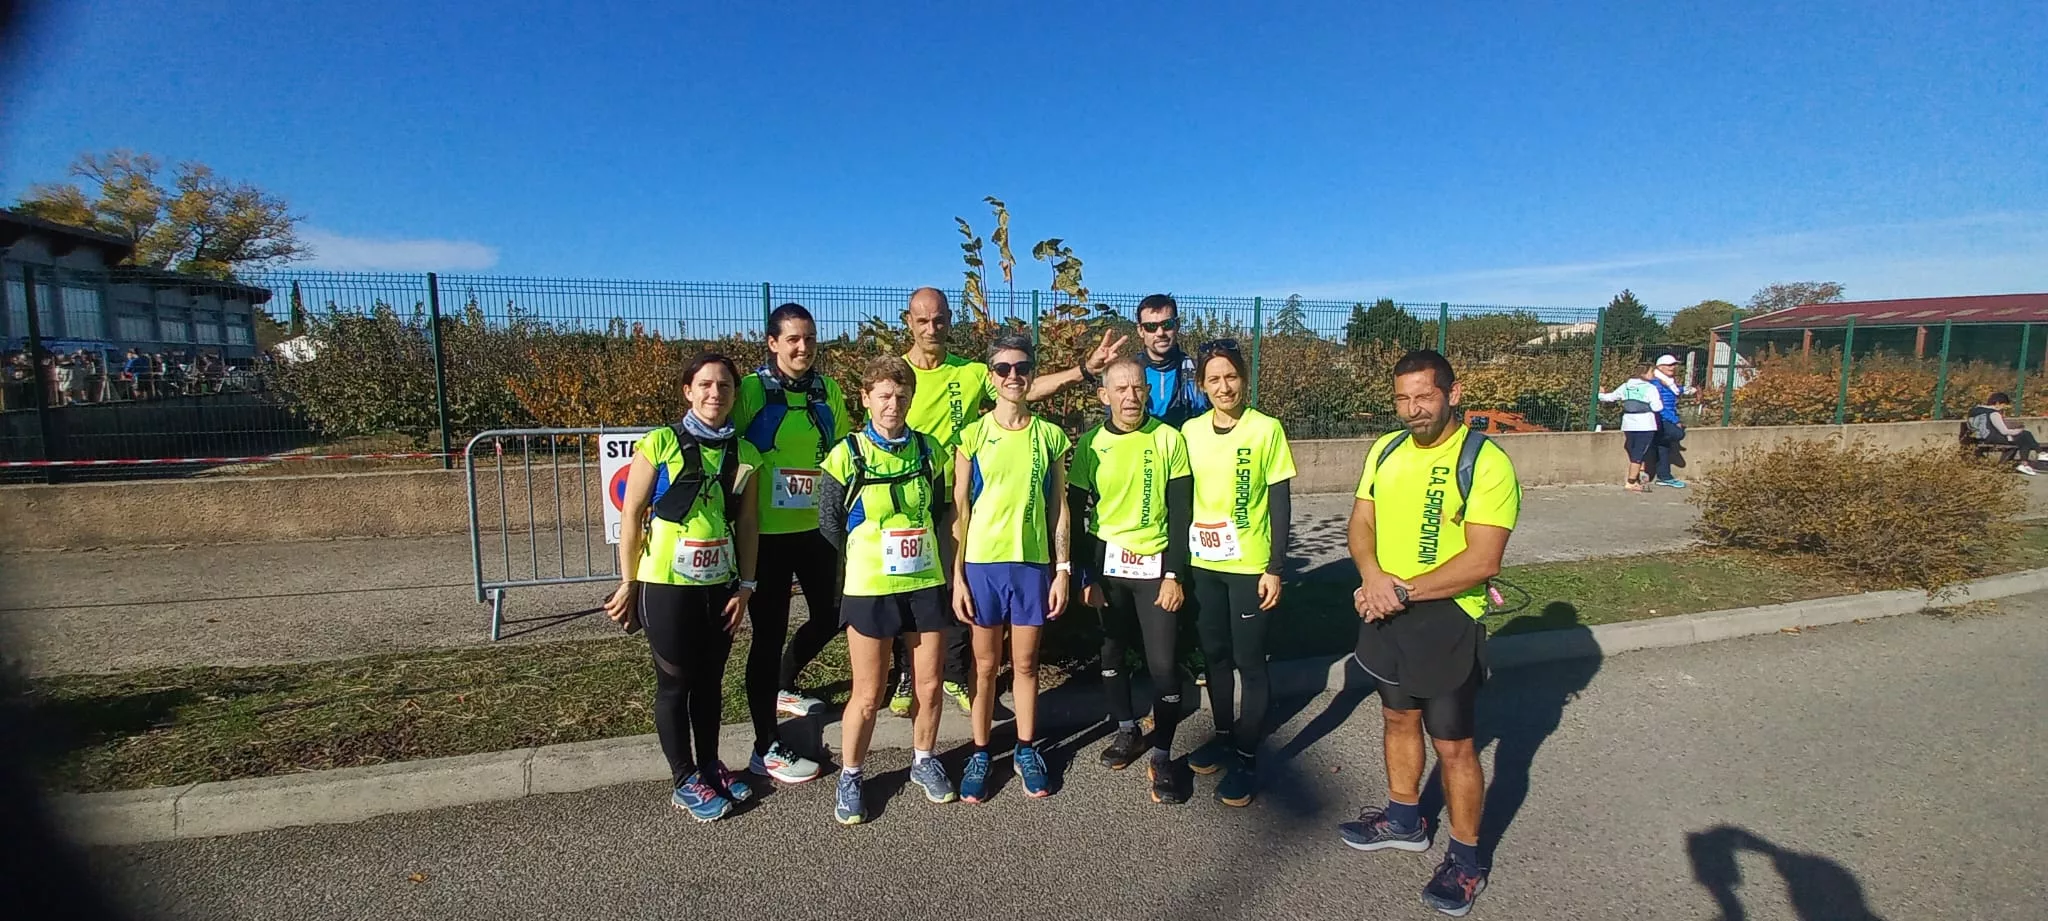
{"x":767,"y":423}
{"x":675,"y":502}
{"x":1468,"y":459}
{"x":864,"y":478}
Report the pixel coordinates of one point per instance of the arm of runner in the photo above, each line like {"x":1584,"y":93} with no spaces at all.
{"x":1062,"y":545}
{"x":747,"y":535}
{"x":632,"y":534}
{"x":1087,"y":547}
{"x":963,"y":603}
{"x":1375,"y":596}
{"x":831,"y":497}
{"x":1180,"y":513}
{"x":1280,"y":512}
{"x":1049,"y":383}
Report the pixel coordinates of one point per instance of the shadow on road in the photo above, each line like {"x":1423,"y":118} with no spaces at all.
{"x":543,"y":622}
{"x":1820,"y":889}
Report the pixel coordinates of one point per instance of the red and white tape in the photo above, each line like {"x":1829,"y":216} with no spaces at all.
{"x":263,"y":458}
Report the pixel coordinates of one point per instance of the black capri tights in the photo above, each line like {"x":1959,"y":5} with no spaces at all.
{"x":1132,"y":617}
{"x":1234,"y":643}
{"x":685,"y":627}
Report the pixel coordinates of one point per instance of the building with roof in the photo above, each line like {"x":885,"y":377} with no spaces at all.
{"x":86,"y":300}
{"x":1991,"y":327}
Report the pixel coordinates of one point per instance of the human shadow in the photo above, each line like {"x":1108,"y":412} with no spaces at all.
{"x":543,"y":622}
{"x":1535,"y":679}
{"x":1820,"y":889}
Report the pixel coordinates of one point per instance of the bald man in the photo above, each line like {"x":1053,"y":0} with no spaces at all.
{"x":951,"y":392}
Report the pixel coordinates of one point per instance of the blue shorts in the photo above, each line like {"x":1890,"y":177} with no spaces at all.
{"x":1009,"y":593}
{"x":1638,"y":444}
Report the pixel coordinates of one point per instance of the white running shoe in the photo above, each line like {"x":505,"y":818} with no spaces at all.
{"x":784,"y":766}
{"x":2029,"y":470}
{"x":791,"y":703}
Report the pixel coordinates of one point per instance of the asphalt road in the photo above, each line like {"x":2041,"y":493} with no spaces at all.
{"x":1883,"y":770}
{"x":246,"y":604}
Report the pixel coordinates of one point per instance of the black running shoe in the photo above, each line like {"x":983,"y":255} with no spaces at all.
{"x":1125,"y":748}
{"x":1165,"y":784}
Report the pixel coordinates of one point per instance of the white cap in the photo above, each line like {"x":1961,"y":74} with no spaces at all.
{"x":1667,"y":360}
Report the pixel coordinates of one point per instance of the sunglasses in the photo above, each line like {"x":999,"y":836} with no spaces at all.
{"x":1219,"y":345}
{"x":1168,"y":325}
{"x":1020,"y":369}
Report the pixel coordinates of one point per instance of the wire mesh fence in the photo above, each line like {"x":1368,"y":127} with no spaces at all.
{"x":189,"y":375}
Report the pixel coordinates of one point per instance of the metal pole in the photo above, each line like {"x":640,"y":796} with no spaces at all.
{"x":1258,"y":333}
{"x":1443,"y":326}
{"x":2019,"y":390}
{"x":1848,"y":349}
{"x":1599,"y":345}
{"x":1728,"y":386}
{"x":440,"y":370}
{"x":1948,"y":329}
{"x":46,"y":422}
{"x":767,"y":304}
{"x":1034,"y":316}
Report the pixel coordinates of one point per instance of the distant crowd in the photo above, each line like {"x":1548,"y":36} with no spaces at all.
{"x":87,"y":376}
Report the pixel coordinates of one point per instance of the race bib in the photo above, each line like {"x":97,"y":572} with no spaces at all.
{"x":706,"y":561}
{"x":906,"y":551}
{"x":794,"y":488}
{"x":1123,"y":564}
{"x":1213,"y":543}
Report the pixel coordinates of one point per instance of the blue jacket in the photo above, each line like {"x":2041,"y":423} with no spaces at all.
{"x":1670,"y":411}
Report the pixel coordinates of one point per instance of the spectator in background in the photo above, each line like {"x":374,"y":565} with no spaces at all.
{"x":16,"y":377}
{"x":1988,"y":425}
{"x":159,"y":376}
{"x":133,"y":370}
{"x":71,"y":379}
{"x":1670,"y":432}
{"x":1641,"y":404}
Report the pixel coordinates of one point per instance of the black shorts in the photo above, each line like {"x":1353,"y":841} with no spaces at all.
{"x":884,"y":617}
{"x":1430,"y":657}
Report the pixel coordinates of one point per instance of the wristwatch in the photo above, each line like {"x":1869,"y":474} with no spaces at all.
{"x":1063,"y":567}
{"x":1401,"y":593}
{"x":1169,"y":576}
{"x":753,"y":585}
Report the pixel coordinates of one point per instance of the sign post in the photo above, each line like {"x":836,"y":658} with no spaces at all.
{"x":615,"y":459}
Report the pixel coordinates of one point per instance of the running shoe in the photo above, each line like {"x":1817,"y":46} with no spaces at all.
{"x":901,"y":701}
{"x":974,"y":778}
{"x":958,"y":692}
{"x":1213,"y":756}
{"x":1031,"y":771}
{"x":1374,"y":831}
{"x":1165,"y":786}
{"x":793,"y":703}
{"x":699,"y":800}
{"x":847,"y":808}
{"x":2029,"y":470}
{"x":735,"y":787}
{"x":931,"y":775}
{"x":1671,"y":483}
{"x":1124,"y":749}
{"x":1238,"y":787}
{"x":1454,"y":887}
{"x":784,"y":766}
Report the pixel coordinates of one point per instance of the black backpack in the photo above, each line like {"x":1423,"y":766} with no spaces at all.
{"x":864,"y":478}
{"x":675,"y":503}
{"x":1468,"y":459}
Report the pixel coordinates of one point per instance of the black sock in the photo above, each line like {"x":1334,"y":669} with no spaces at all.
{"x":1250,"y":759}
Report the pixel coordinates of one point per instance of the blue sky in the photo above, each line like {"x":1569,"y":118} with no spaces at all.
{"x":1508,"y":153}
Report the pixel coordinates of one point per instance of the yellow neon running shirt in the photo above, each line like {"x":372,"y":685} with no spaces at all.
{"x":1010,"y":493}
{"x":948,"y":397}
{"x":1415,"y":496}
{"x":706,"y":520}
{"x":1128,"y":475}
{"x":1232,"y":471}
{"x":783,"y":503}
{"x":876,"y":516}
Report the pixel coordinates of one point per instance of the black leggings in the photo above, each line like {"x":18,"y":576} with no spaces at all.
{"x":1234,"y":637}
{"x":685,"y":627}
{"x":1133,"y":617}
{"x":770,"y":667}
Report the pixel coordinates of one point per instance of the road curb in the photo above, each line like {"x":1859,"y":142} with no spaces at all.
{"x":344,"y":795}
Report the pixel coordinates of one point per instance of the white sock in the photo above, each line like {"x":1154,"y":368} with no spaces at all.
{"x":919,"y":756}
{"x":851,"y":770}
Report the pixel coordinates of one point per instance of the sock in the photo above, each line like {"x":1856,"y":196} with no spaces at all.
{"x":1406,"y":815}
{"x":1467,"y":855}
{"x":851,"y":770}
{"x":1250,"y":759}
{"x":980,"y":749}
{"x":919,"y":756}
{"x":1127,"y":725}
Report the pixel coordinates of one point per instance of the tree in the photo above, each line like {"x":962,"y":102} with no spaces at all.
{"x":1290,"y":321}
{"x":1384,"y":325}
{"x":203,"y":224}
{"x":1785,"y":295}
{"x":1628,"y":321}
{"x":1690,"y":326}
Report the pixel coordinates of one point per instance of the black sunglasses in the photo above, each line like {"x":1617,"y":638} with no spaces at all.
{"x":1218,"y":345}
{"x":1020,"y":368}
{"x":1153,"y":327}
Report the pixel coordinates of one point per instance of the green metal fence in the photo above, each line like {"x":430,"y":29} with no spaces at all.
{"x":360,"y":362}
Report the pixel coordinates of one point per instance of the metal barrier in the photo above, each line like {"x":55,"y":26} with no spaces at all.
{"x":528,"y":465}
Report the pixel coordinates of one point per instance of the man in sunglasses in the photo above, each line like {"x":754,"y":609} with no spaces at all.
{"x":1169,"y":372}
{"x":953,"y":391}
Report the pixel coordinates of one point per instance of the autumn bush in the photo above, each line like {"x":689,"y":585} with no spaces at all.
{"x":1800,"y":389}
{"x":373,"y":372}
{"x":1923,"y":518}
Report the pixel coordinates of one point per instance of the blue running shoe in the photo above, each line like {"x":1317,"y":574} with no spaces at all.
{"x":1031,"y":771}
{"x":849,"y":809}
{"x":1374,"y":831}
{"x":1671,"y":483}
{"x":1454,"y":887}
{"x":931,"y":775}
{"x":974,"y":778}
{"x":736,"y":789}
{"x":700,"y":800}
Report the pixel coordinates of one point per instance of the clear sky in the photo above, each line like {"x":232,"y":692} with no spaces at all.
{"x":1508,"y":153}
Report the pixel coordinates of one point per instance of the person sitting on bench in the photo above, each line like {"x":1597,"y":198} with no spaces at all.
{"x":1988,"y":426}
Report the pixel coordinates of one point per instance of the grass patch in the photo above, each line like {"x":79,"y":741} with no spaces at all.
{"x":183,"y":725}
